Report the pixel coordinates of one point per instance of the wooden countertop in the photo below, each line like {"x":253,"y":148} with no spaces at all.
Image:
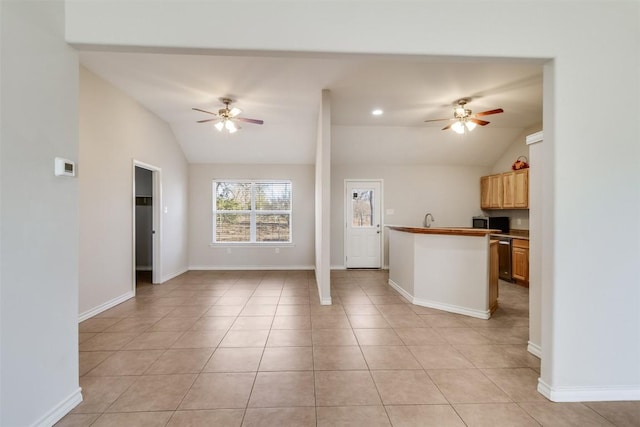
{"x":514,"y":234}
{"x":451,"y":231}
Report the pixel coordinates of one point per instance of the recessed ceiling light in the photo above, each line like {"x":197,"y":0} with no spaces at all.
{"x":377,"y":112}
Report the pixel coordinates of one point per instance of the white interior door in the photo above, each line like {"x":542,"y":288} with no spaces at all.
{"x":363,"y":222}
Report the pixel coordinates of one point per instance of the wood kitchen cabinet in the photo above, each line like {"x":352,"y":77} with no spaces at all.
{"x":491,"y":192}
{"x":495,"y":184}
{"x":521,"y":189}
{"x":509,"y":190}
{"x":520,"y":260}
{"x":485,"y":192}
{"x":508,"y":187}
{"x":515,"y":189}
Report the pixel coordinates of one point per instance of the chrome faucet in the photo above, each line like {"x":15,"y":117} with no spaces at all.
{"x":427,"y":221}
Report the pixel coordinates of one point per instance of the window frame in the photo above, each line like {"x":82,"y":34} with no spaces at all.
{"x":252,"y":212}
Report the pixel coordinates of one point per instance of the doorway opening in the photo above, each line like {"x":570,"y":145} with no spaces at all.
{"x":146,"y":225}
{"x":363,"y":223}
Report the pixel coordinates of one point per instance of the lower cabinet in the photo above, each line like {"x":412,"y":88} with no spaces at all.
{"x":520,"y":260}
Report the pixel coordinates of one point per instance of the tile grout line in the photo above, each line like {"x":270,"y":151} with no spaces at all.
{"x":255,"y":378}
{"x":384,"y":407}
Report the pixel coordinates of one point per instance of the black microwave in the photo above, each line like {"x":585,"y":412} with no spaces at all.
{"x":492,"y":222}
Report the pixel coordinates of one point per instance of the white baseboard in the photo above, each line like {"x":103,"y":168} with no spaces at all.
{"x":534,"y":349}
{"x":251,"y":267}
{"x":342,"y":267}
{"x":398,"y":288}
{"x":480,"y":314}
{"x":105,"y":306}
{"x":325,"y":301}
{"x":588,"y":394}
{"x":176,"y":274}
{"x":60,"y":410}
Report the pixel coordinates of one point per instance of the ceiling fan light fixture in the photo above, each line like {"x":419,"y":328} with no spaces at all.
{"x":463,"y":118}
{"x":230,"y":126}
{"x":225,"y":118}
{"x":458,"y":127}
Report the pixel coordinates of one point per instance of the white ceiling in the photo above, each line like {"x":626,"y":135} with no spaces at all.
{"x":285,"y":92}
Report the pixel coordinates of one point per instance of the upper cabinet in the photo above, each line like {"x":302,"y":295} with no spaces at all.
{"x":509,"y":190}
{"x":496,"y":185}
{"x":491,"y":192}
{"x":521,"y":189}
{"x":485,"y":192}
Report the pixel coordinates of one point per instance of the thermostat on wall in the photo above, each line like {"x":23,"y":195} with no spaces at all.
{"x":64,"y":167}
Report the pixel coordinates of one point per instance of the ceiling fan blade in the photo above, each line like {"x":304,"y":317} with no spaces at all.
{"x":479,"y":122}
{"x":488,"y":112}
{"x":205,"y":111}
{"x":436,"y":120}
{"x":447,"y":127}
{"x":254,"y":121}
{"x":207,"y":120}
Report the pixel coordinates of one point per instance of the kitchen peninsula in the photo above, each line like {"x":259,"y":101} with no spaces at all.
{"x":450,"y":269}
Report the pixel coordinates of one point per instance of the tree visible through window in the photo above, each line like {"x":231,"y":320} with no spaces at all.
{"x":362,"y":208}
{"x":252,"y":211}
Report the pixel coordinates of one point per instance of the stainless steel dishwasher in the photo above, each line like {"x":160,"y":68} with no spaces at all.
{"x":504,"y":257}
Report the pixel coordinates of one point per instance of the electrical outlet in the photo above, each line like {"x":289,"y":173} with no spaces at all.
{"x":519,"y":221}
{"x":228,"y":250}
{"x":277,"y":250}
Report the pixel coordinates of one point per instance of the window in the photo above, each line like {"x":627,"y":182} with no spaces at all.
{"x":362,"y":208}
{"x":251,"y":211}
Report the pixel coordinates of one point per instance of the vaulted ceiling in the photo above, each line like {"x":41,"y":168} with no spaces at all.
{"x":285,"y":90}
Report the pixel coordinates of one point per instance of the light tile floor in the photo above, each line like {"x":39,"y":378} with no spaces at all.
{"x":255,"y":348}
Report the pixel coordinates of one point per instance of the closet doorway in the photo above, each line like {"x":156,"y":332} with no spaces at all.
{"x":146,"y":225}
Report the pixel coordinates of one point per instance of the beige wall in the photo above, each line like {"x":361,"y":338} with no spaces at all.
{"x":39,"y":233}
{"x":516,"y":149}
{"x":204,"y":256}
{"x":115,"y":130}
{"x":450,"y":193}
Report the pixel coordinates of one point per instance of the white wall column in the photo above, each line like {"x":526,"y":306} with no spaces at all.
{"x":536,"y":226}
{"x":323,"y":200}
